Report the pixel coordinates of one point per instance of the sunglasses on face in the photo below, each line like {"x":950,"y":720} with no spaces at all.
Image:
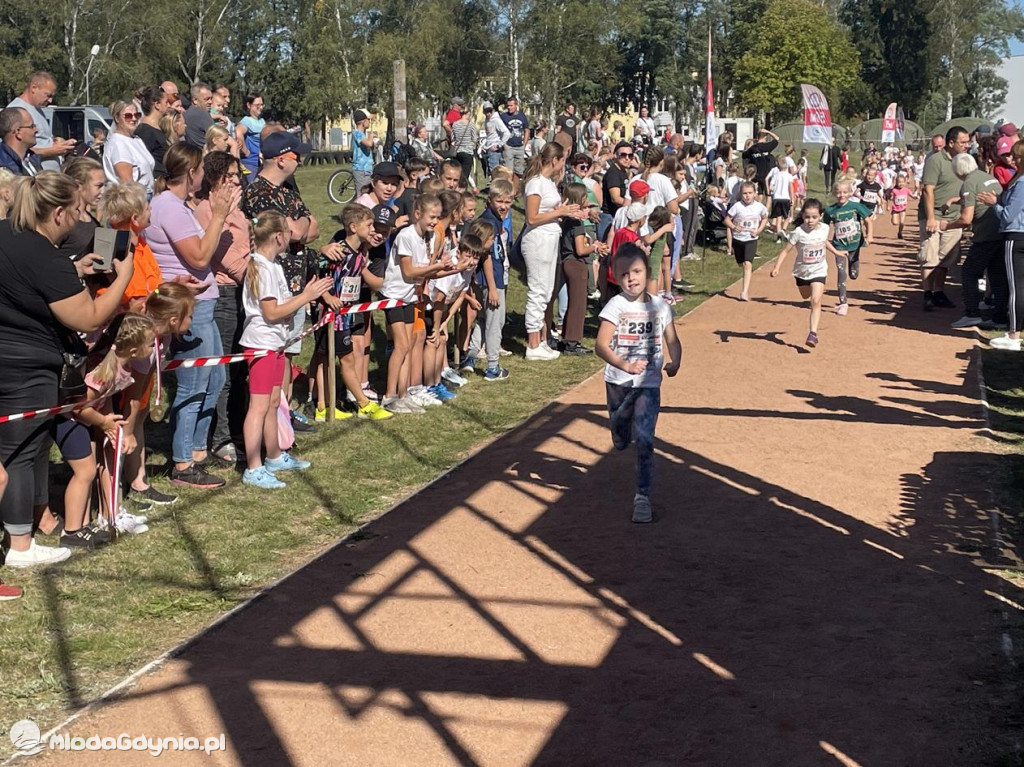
{"x":625,"y":155}
{"x":584,"y":166}
{"x":131,"y":116}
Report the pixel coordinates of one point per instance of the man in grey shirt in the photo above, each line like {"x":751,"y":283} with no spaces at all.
{"x":38,"y":95}
{"x":198,"y":119}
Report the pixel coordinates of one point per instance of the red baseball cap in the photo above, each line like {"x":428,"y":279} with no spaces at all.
{"x":1008,"y":129}
{"x":1004,"y":145}
{"x":638,"y":189}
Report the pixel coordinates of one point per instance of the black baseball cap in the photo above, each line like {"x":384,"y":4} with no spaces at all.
{"x":359,"y":115}
{"x":282,"y":142}
{"x":386,"y":170}
{"x":383,"y":214}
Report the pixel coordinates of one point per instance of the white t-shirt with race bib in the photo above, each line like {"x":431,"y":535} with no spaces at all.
{"x":811,"y":262}
{"x":747,"y":218}
{"x":639,"y":332}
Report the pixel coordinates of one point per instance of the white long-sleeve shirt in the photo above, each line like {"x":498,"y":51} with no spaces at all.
{"x":497,"y":134}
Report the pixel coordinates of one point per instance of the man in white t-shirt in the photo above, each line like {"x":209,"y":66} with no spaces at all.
{"x":38,"y":95}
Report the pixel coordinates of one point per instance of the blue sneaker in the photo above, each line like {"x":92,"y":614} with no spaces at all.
{"x":286,"y":463}
{"x":441,"y":392}
{"x":262,"y":478}
{"x":496,"y":373}
{"x":468,"y":366}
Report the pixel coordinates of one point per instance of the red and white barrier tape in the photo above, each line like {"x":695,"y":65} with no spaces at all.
{"x":48,"y":412}
{"x":198,"y":362}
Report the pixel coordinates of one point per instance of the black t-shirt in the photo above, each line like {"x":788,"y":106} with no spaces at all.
{"x":33,"y":274}
{"x":568,"y":123}
{"x":81,"y":239}
{"x":404,"y":203}
{"x":614,"y":178}
{"x":870,"y":193}
{"x":760,"y":156}
{"x":571,"y":227}
{"x":156,"y":142}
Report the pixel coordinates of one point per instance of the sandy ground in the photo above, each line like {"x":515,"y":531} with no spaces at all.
{"x":811,"y":592}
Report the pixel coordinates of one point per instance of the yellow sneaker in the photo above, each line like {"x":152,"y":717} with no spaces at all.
{"x":339,"y":415}
{"x":375,"y":412}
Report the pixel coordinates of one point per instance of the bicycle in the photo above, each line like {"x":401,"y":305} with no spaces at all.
{"x":341,"y":186}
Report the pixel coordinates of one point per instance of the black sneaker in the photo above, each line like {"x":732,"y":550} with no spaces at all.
{"x":86,"y":537}
{"x":682,"y":284}
{"x":575,"y":349}
{"x":153,"y":496}
{"x":301,"y":423}
{"x":942,"y":301}
{"x":929,"y":302}
{"x":194,"y":476}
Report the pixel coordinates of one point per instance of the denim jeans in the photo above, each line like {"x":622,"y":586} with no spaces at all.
{"x":493,"y":161}
{"x":232,"y":402}
{"x":195,"y":401}
{"x":633,"y":414}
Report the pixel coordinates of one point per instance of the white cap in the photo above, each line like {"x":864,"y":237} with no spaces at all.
{"x":636,"y":211}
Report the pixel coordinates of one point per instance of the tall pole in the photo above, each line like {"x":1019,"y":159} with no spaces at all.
{"x":401,"y":132}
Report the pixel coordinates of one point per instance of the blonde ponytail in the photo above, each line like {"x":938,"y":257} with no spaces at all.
{"x":37,"y":197}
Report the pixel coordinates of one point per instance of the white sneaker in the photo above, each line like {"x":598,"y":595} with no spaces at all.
{"x":966,"y":322}
{"x":36,"y":555}
{"x":542,"y":352}
{"x":595,"y":295}
{"x":690,"y":257}
{"x":400,"y":406}
{"x":451,"y":376}
{"x":423,"y":398}
{"x":1005,"y":343}
{"x":139,"y":518}
{"x":125,"y":523}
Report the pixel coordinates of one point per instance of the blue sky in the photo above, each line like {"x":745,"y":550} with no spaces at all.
{"x":1017,"y":48}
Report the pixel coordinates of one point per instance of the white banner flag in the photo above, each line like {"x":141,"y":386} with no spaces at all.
{"x":889,"y":124}
{"x":817,"y":118}
{"x":710,"y":129}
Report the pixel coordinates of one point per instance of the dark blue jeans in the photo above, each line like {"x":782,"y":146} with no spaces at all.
{"x":633,"y":414}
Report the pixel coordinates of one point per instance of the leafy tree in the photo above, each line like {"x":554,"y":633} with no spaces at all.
{"x":892,"y":37}
{"x":795,"y":45}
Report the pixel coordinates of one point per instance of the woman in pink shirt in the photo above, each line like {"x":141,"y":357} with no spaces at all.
{"x":230,"y":259}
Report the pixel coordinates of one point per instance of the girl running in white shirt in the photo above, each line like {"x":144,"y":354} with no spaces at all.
{"x":810,"y":242}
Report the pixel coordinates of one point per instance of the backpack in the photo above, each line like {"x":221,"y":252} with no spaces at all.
{"x":401,"y":153}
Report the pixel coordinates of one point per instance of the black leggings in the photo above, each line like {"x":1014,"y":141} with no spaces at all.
{"x":466,"y":160}
{"x":24,"y":445}
{"x":1014,"y":253}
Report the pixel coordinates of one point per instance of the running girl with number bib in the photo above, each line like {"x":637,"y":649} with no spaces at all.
{"x":636,"y":329}
{"x":899,"y":194}
{"x":746,"y":220}
{"x":850,"y":224}
{"x":810,"y":268}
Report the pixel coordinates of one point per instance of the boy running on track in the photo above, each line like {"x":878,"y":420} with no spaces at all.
{"x":850,"y":224}
{"x":810,"y":241}
{"x":635,"y":329}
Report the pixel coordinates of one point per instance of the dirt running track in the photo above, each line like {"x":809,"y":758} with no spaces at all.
{"x":811,"y":592}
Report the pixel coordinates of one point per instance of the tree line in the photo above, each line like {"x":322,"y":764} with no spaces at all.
{"x":315,"y":59}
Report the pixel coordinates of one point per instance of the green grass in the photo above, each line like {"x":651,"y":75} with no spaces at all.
{"x":86,"y":624}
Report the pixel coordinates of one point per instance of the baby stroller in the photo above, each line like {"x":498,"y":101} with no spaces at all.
{"x":710,"y":221}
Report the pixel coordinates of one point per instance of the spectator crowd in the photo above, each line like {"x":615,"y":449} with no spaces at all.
{"x":182,"y":235}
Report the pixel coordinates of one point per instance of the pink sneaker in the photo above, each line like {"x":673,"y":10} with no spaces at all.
{"x":842,"y":309}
